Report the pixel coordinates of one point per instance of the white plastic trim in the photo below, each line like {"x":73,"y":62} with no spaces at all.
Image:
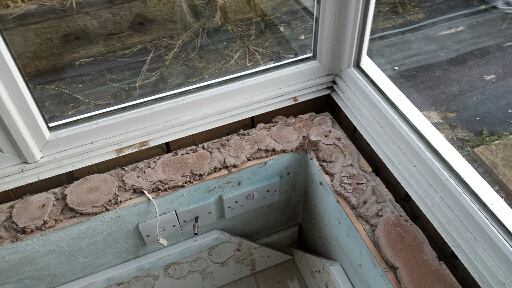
{"x":328,"y":33}
{"x":193,"y":107}
{"x":9,"y":160}
{"x":18,"y":110}
{"x":479,"y":241}
{"x":177,"y":91}
{"x":348,"y":27}
{"x":5,"y":142}
{"x":368,"y":28}
{"x":67,"y":160}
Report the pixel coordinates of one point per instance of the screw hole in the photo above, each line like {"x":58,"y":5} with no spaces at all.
{"x":148,"y":236}
{"x":236,"y":201}
{"x":209,"y":212}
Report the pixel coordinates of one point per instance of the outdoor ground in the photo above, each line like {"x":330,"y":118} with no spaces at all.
{"x":452,"y":60}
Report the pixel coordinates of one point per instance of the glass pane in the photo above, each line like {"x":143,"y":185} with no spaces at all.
{"x":84,"y":57}
{"x":453,"y":60}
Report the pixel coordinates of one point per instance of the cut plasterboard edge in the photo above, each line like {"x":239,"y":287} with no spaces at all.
{"x":282,"y":239}
{"x":320,"y":272}
{"x":362,"y":232}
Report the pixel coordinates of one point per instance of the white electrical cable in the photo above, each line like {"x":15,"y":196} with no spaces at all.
{"x":161,"y":239}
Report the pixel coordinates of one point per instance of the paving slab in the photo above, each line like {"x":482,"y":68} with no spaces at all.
{"x":497,"y":158}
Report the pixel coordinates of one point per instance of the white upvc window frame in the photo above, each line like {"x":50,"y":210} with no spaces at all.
{"x":466,"y":211}
{"x":40,"y":152}
{"x":443,"y":185}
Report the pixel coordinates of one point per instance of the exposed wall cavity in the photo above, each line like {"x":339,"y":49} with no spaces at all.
{"x":399,"y":241}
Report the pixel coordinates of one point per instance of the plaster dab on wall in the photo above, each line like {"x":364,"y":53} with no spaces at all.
{"x":33,"y":211}
{"x":174,"y":168}
{"x":398,"y":236}
{"x":347,"y":172}
{"x":89,"y":195}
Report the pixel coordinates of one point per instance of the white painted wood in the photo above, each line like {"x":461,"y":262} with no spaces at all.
{"x":320,"y":272}
{"x":482,"y":244}
{"x":213,"y":259}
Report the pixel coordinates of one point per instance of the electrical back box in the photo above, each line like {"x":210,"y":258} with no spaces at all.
{"x":235,"y":204}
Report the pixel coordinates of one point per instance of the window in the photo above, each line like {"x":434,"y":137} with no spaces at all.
{"x":467,"y":212}
{"x":192,"y":106}
{"x":451,"y":61}
{"x":86,"y":57}
{"x":443,"y":184}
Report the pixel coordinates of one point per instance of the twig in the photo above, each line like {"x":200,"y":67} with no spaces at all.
{"x":74,"y":95}
{"x":144,"y":69}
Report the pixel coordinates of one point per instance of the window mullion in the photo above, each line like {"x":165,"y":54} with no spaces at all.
{"x":18,"y":129}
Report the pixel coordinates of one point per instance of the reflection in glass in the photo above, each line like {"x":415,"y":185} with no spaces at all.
{"x":453,"y":60}
{"x":80,"y":57}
